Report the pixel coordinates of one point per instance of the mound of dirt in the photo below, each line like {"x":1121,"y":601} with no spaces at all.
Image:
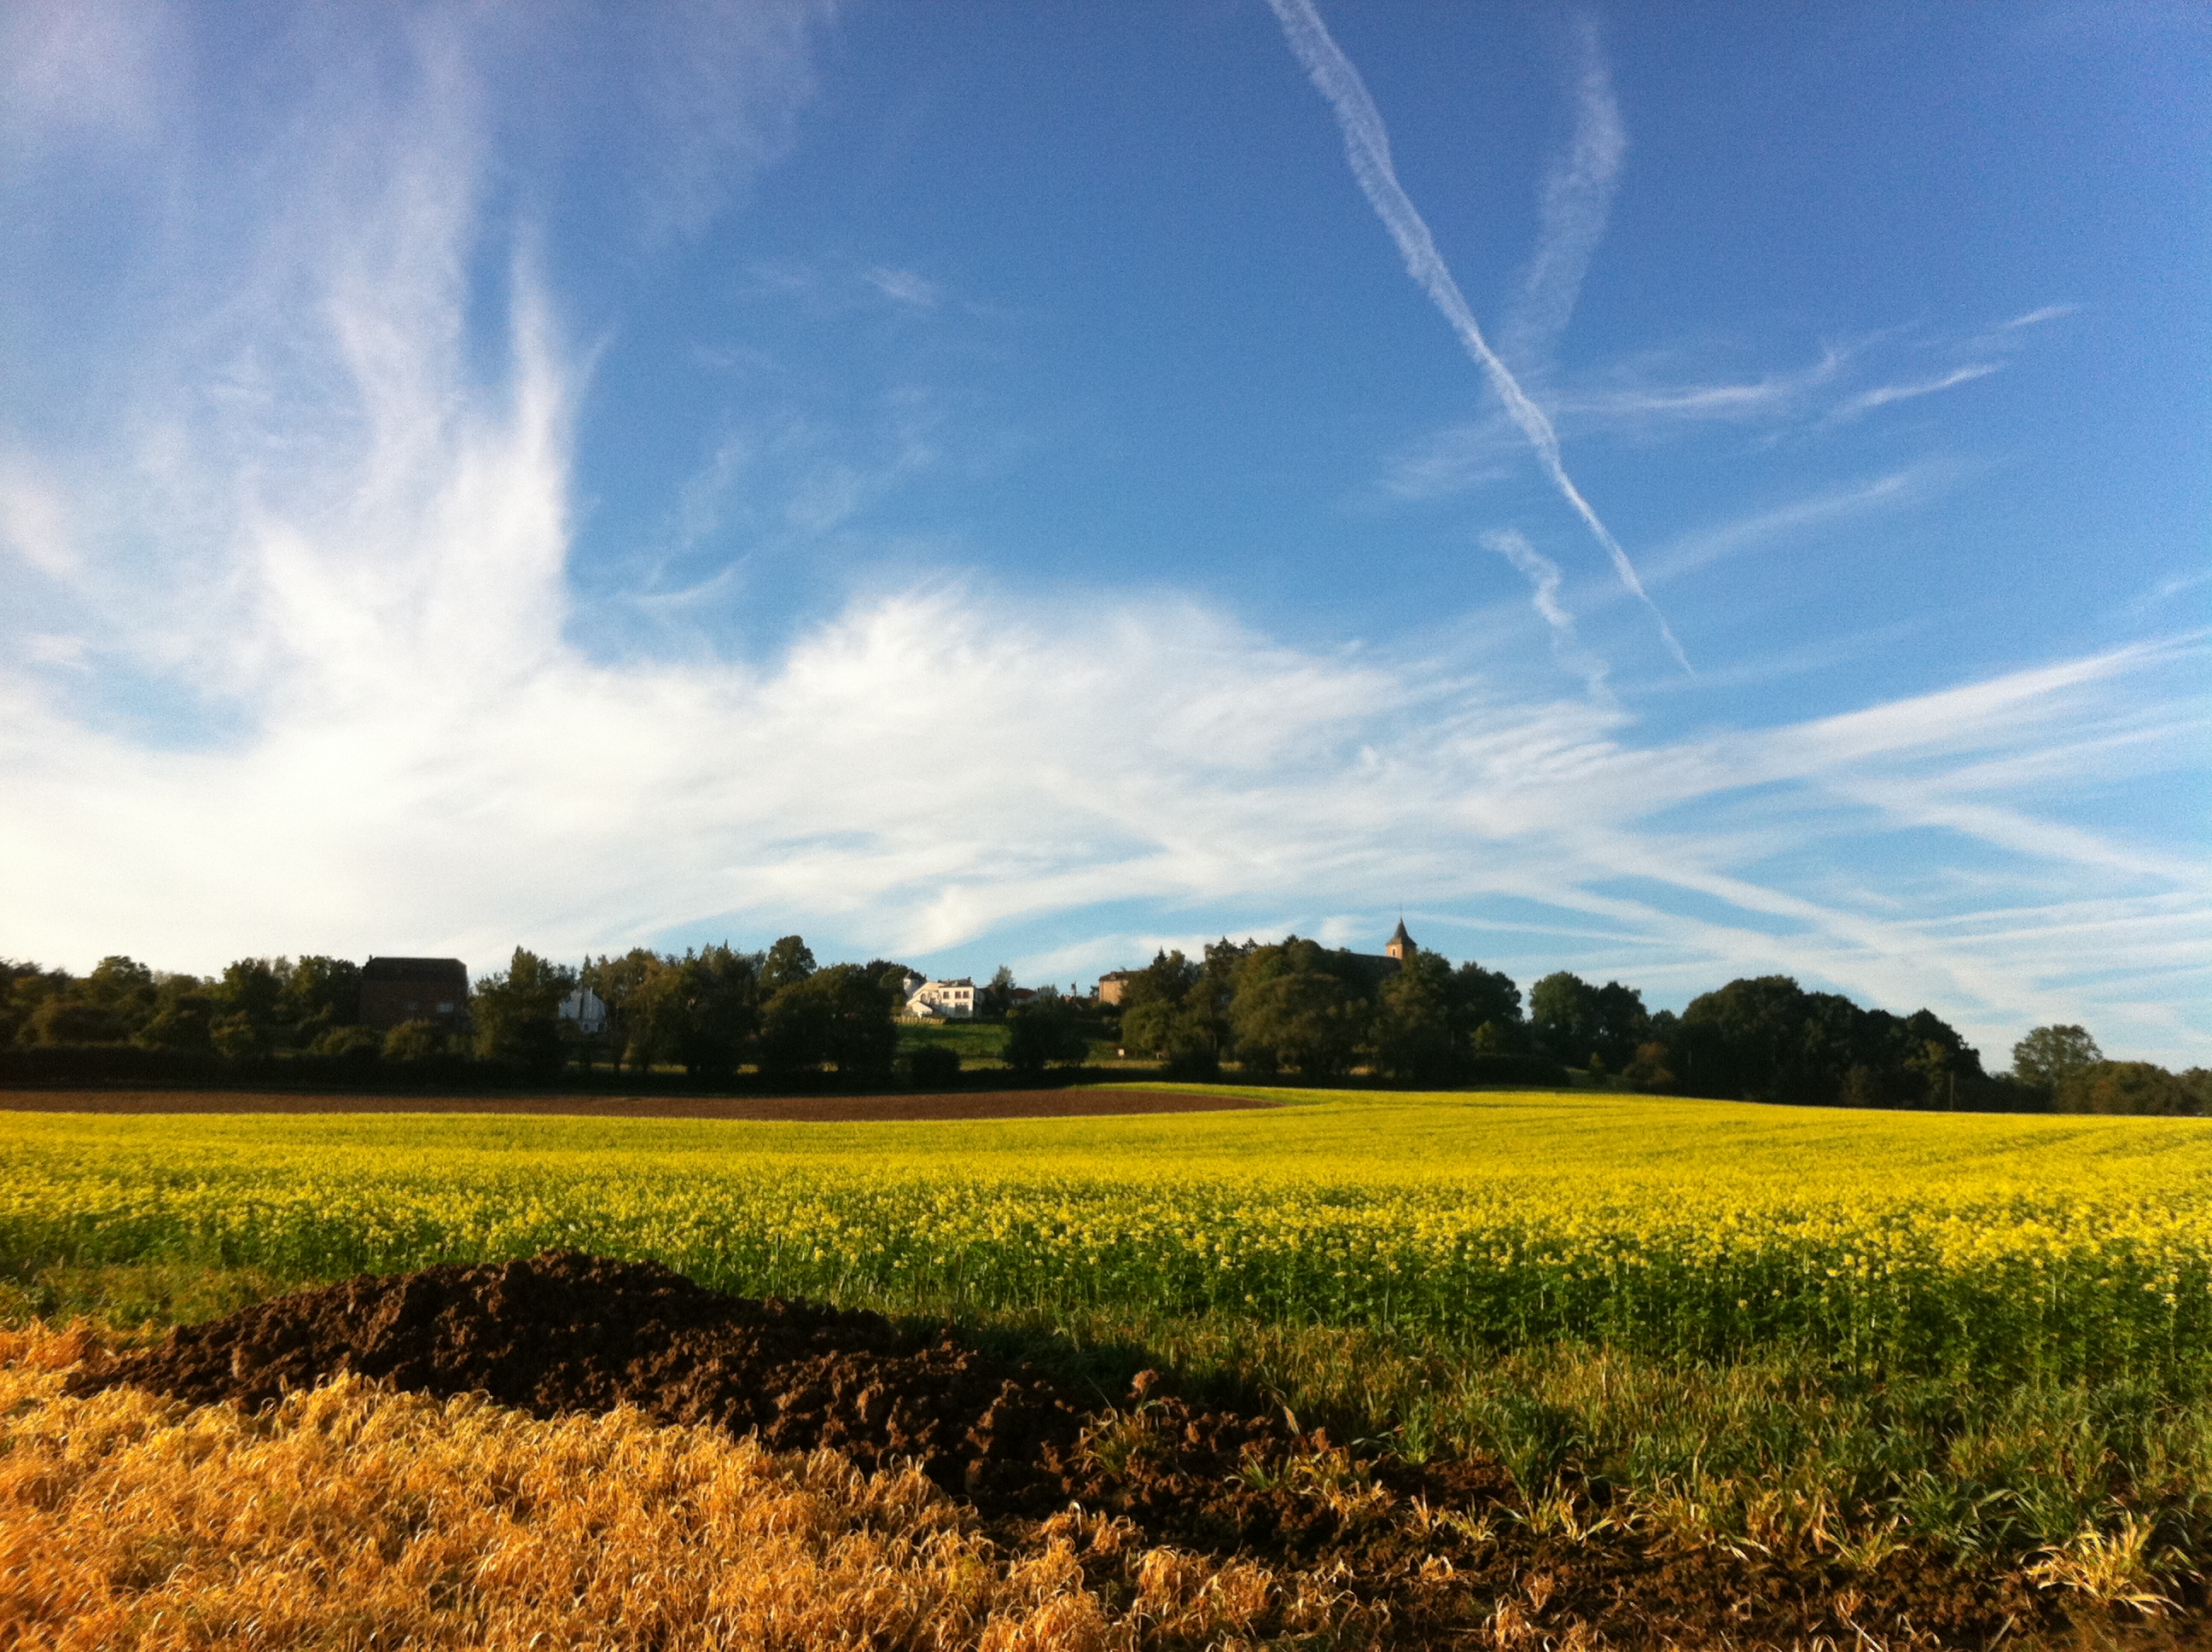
{"x":565,"y":1332}
{"x":1436,"y":1546}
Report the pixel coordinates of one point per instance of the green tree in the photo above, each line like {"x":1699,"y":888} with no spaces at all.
{"x":2139,"y":1088}
{"x":717,"y":1008}
{"x":891,"y":976}
{"x":66,"y":1017}
{"x":1166,"y":980}
{"x":621,"y":982}
{"x":931,"y":1066}
{"x":1932,"y":1063}
{"x":1046,"y":1028}
{"x":2049,"y":1056}
{"x":789,"y":963}
{"x":319,"y":993}
{"x":839,"y":1016}
{"x":1483,"y":998}
{"x":650,"y":1013}
{"x":1617,"y":1025}
{"x":701,"y":1012}
{"x":22,"y":983}
{"x":1148,"y":1028}
{"x":411,"y":1042}
{"x":1417,"y":1035}
{"x":246,"y":1018}
{"x":1765,"y":1038}
{"x":1294,"y":1007}
{"x":185,"y":1010}
{"x":516,"y":1012}
{"x":1562,"y":1017}
{"x":1167,"y":1013}
{"x":355,"y":1040}
{"x":125,"y":989}
{"x":863,"y":1031}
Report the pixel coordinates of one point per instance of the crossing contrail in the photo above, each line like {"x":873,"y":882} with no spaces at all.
{"x":1367,"y":144}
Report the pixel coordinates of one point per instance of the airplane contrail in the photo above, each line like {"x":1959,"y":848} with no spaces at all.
{"x":1577,"y":198}
{"x":1544,"y":579}
{"x":1367,"y":144}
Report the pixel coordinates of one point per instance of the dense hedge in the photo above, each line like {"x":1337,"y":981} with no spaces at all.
{"x":122,"y":1066}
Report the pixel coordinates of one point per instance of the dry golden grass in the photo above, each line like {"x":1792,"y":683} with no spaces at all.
{"x":356,"y":1517}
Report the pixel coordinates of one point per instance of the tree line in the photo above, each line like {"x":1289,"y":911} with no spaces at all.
{"x":1296,"y":1006}
{"x":712,"y":1011}
{"x":1287,"y":1007}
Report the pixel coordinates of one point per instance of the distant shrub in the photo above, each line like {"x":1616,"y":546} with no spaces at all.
{"x":2126,"y":1087}
{"x":931,"y":1066}
{"x":1529,"y":1071}
{"x":416,"y":1041}
{"x":352,"y":1042}
{"x":1198,"y":1064}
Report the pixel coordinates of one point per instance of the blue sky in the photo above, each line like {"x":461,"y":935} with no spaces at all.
{"x":1035,"y":483}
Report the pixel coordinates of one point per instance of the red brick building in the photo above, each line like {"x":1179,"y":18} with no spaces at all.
{"x":393,"y":990}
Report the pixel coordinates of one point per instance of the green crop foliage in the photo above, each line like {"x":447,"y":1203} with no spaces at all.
{"x":2014,"y":1249}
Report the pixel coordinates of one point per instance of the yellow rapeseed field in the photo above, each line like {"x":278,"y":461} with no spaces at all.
{"x":2015,"y":1247}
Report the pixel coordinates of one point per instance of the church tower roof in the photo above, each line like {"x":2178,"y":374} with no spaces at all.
{"x":1400,"y":945}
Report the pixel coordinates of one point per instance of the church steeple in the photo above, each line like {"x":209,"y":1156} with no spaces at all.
{"x":1400,"y":945}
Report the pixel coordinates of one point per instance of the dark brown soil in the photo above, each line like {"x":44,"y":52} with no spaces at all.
{"x":1071,"y":1104}
{"x":569,"y":1333}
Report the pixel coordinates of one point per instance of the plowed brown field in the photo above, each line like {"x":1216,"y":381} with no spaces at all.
{"x":796,"y":1110}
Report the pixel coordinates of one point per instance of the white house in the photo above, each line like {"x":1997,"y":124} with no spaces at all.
{"x":952,"y":1000}
{"x":587,"y":1010}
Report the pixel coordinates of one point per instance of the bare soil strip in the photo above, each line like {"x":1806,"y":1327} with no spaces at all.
{"x":792,"y":1110}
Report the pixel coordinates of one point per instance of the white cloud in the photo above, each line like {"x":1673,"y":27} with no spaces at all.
{"x":72,"y":69}
{"x":1578,"y":197}
{"x":1635,"y":400}
{"x":43,"y":648}
{"x":1367,"y":147}
{"x":1544,"y":577}
{"x":357,"y":547}
{"x":905,"y":287}
{"x":713,"y":93}
{"x":1883,"y":395}
{"x":34,"y":520}
{"x":1704,"y":546}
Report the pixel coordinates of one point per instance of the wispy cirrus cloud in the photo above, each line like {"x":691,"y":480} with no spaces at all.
{"x":1659,"y":396}
{"x":1544,"y":581}
{"x":1577,"y":200}
{"x":357,"y":545}
{"x":1775,"y":524}
{"x":1367,"y":146}
{"x":905,"y":287}
{"x":1883,"y":395}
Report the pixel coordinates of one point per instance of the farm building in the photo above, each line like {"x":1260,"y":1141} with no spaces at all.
{"x":952,"y":1000}
{"x":587,"y":1010}
{"x":393,"y":990}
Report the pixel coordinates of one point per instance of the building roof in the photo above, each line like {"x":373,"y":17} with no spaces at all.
{"x":1399,"y":934}
{"x":416,"y":969}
